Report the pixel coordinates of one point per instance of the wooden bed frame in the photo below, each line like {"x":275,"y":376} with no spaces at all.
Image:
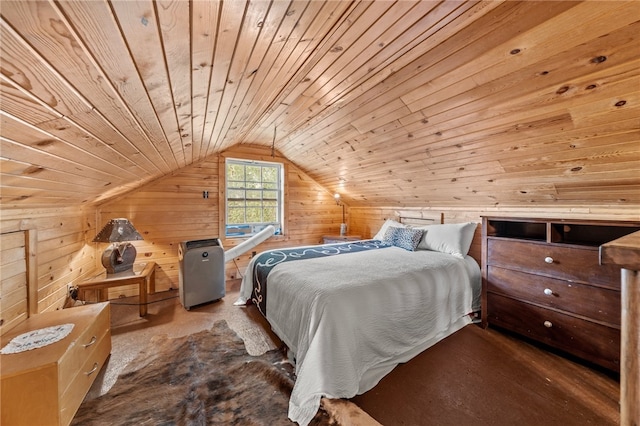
{"x":421,"y":218}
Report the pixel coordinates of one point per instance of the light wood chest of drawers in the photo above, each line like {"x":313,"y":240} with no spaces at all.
{"x":542,"y":279}
{"x":45,"y":386}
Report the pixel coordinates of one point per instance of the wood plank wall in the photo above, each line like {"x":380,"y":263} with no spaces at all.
{"x":57,"y":254}
{"x":14,"y":288}
{"x":172,"y":209}
{"x":365,"y":221}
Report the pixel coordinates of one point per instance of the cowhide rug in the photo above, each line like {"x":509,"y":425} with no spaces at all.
{"x":206,"y":378}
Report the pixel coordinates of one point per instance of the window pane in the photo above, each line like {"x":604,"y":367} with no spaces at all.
{"x":235,"y":194}
{"x":253,"y":174}
{"x":270,"y":195}
{"x":269,"y":214}
{"x":235,"y":172}
{"x":254,"y":195}
{"x":235,"y":216}
{"x":269,"y":174}
{"x":267,"y":185}
{"x":253,"y":215}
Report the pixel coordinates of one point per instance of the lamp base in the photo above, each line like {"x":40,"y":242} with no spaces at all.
{"x":119,"y":258}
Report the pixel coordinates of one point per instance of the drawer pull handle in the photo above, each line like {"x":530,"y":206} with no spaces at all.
{"x":93,"y":370}
{"x":93,"y":340}
{"x":548,"y":324}
{"x":548,"y":259}
{"x":548,"y":292}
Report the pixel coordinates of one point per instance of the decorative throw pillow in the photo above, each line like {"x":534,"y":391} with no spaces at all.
{"x":383,"y":229}
{"x":406,"y":238}
{"x":452,"y":238}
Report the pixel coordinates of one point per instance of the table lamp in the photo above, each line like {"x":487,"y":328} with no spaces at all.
{"x":343,"y":225}
{"x":120,"y":255}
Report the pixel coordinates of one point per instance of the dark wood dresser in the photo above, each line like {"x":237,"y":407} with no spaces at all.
{"x":542,"y":279}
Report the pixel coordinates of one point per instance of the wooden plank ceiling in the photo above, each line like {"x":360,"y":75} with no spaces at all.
{"x":453,"y":103}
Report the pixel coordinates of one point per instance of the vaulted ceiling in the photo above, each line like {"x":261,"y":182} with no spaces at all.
{"x":388,"y":102}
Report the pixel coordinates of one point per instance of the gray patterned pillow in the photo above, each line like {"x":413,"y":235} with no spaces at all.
{"x":406,"y":238}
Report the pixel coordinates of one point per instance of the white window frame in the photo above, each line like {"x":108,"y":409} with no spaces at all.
{"x":248,"y":229}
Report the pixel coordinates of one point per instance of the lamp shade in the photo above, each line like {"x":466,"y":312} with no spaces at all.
{"x":120,"y":255}
{"x":117,"y":231}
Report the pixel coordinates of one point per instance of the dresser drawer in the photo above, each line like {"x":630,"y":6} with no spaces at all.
{"x":591,"y":341}
{"x":600,"y":304}
{"x":567,"y":263}
{"x":82,"y":349}
{"x":85,"y":375}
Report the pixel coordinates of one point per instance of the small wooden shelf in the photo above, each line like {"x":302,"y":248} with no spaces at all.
{"x":561,"y":231}
{"x":517,"y":229}
{"x":592,"y":235}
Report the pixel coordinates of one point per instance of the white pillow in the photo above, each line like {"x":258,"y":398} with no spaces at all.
{"x":383,"y":229}
{"x":452,"y":238}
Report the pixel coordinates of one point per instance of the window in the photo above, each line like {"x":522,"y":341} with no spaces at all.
{"x":254,"y":197}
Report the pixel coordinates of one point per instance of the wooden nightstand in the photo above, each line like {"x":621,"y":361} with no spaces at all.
{"x":45,"y":386}
{"x":144,"y":275}
{"x":329,"y":239}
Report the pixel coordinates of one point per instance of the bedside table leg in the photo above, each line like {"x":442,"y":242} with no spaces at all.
{"x":151,"y":282}
{"x":103,"y":294}
{"x":143,"y":297}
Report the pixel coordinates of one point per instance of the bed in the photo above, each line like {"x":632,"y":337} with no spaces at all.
{"x":350,"y":312}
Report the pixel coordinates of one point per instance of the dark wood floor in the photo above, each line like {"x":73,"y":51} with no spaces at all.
{"x":486,"y":377}
{"x":476,"y":376}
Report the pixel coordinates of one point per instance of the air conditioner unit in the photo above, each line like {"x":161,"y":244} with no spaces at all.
{"x":201,"y":276}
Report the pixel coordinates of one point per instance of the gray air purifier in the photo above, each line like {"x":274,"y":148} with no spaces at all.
{"x":201,"y":275}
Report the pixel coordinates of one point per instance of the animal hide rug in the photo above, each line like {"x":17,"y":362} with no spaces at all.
{"x":205,"y":378}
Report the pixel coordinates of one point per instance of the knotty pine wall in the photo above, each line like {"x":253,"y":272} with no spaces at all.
{"x":58,"y":253}
{"x":172,"y":209}
{"x":365,"y":221}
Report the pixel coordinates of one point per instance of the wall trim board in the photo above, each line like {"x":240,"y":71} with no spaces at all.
{"x":31,"y":239}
